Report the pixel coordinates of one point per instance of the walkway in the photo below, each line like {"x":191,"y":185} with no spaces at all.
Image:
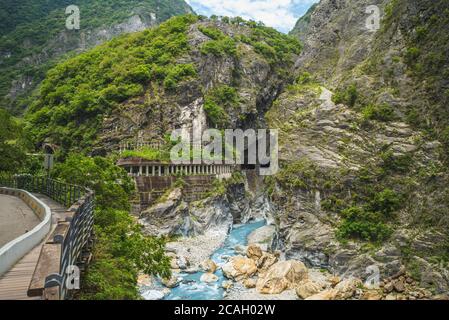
{"x":14,"y":284}
{"x":16,"y":218}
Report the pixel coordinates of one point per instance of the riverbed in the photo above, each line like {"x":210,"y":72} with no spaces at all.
{"x":191,"y":287}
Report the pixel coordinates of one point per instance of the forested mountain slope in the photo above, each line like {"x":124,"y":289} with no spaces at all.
{"x":219,"y":73}
{"x":33,"y":36}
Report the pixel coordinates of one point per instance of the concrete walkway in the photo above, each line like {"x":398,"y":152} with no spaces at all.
{"x":16,"y":218}
{"x":14,"y":284}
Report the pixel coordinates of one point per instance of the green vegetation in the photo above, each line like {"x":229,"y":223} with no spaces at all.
{"x":221,"y":47}
{"x":77,"y":93}
{"x":346,"y":96}
{"x":276,"y":47}
{"x":383,"y":112}
{"x":28,"y":28}
{"x":304,"y":174}
{"x":212,"y":32}
{"x":371,"y":221}
{"x":217,"y":102}
{"x":121,"y":249}
{"x":12,"y":143}
{"x":147,"y":153}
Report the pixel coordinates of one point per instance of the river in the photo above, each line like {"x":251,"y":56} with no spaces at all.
{"x":191,"y":288}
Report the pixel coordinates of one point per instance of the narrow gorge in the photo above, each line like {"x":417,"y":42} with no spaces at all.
{"x":358,"y":208}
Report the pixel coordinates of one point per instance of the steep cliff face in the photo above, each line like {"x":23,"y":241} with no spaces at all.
{"x":403,"y":63}
{"x":34,"y":36}
{"x":364,"y":179}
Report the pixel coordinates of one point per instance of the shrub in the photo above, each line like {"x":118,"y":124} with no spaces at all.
{"x":177,"y":73}
{"x":412,"y":54}
{"x":383,"y":112}
{"x":304,"y":78}
{"x":121,"y":249}
{"x":222,"y":47}
{"x":347,"y":96}
{"x":385,"y":202}
{"x":217,"y":102}
{"x":212,"y":33}
{"x":364,"y":225}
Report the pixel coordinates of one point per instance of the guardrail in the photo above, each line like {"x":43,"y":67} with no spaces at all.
{"x":63,"y":193}
{"x":64,"y":248}
{"x":14,"y":250}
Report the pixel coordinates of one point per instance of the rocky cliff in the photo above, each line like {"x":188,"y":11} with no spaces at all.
{"x":34,"y":36}
{"x":212,"y":73}
{"x":363,"y":150}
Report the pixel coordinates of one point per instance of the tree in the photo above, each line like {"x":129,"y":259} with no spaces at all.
{"x":121,"y":249}
{"x":12,"y":143}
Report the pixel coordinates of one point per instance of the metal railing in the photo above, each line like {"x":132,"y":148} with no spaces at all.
{"x":63,"y":193}
{"x":64,"y":247}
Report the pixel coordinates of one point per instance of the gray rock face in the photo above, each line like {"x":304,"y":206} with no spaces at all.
{"x":328,"y":137}
{"x":172,"y":216}
{"x":256,"y":81}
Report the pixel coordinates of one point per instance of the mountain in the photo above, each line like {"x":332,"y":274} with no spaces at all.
{"x":34,"y":37}
{"x":403,"y":63}
{"x":219,"y":72}
{"x":363,"y":142}
{"x":362,"y":119}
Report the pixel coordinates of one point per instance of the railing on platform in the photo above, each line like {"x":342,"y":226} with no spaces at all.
{"x":63,"y":193}
{"x":64,"y":248}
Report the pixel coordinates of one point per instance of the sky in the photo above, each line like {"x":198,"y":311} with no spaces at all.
{"x":279,"y":14}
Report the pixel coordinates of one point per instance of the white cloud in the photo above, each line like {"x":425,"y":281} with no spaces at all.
{"x":279,"y":14}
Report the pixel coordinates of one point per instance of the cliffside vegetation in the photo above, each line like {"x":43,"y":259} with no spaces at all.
{"x":77,"y":93}
{"x":33,"y":36}
{"x":121,"y":250}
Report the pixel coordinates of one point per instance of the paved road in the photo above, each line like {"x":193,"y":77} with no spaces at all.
{"x":16,"y":218}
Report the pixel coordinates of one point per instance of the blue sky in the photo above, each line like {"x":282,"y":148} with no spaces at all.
{"x":279,"y":14}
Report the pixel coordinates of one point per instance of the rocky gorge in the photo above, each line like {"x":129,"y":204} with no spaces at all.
{"x":359,"y":206}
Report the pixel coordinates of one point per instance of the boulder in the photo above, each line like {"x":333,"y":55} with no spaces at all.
{"x":307,"y":288}
{"x":239,"y":249}
{"x":227,"y":285}
{"x":239,"y":268}
{"x":390,"y":297}
{"x":329,"y":294}
{"x":208,"y":266}
{"x":399,"y":286}
{"x":371,"y":295}
{"x":208,"y":277}
{"x":334,"y":280}
{"x":170,"y":282}
{"x":144,"y":280}
{"x":153,"y":295}
{"x":266,"y":261}
{"x":347,"y":288}
{"x":249,"y":283}
{"x":254,"y":252}
{"x":388,"y":287}
{"x":281,"y":276}
{"x":183,"y":262}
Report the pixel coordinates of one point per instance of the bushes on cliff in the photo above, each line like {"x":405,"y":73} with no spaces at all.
{"x":121,"y":250}
{"x":12,"y":143}
{"x":78,"y":92}
{"x":217,"y":101}
{"x":347,"y":96}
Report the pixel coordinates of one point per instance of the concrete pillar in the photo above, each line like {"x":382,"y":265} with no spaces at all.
{"x":140,"y":170}
{"x":160,"y":170}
